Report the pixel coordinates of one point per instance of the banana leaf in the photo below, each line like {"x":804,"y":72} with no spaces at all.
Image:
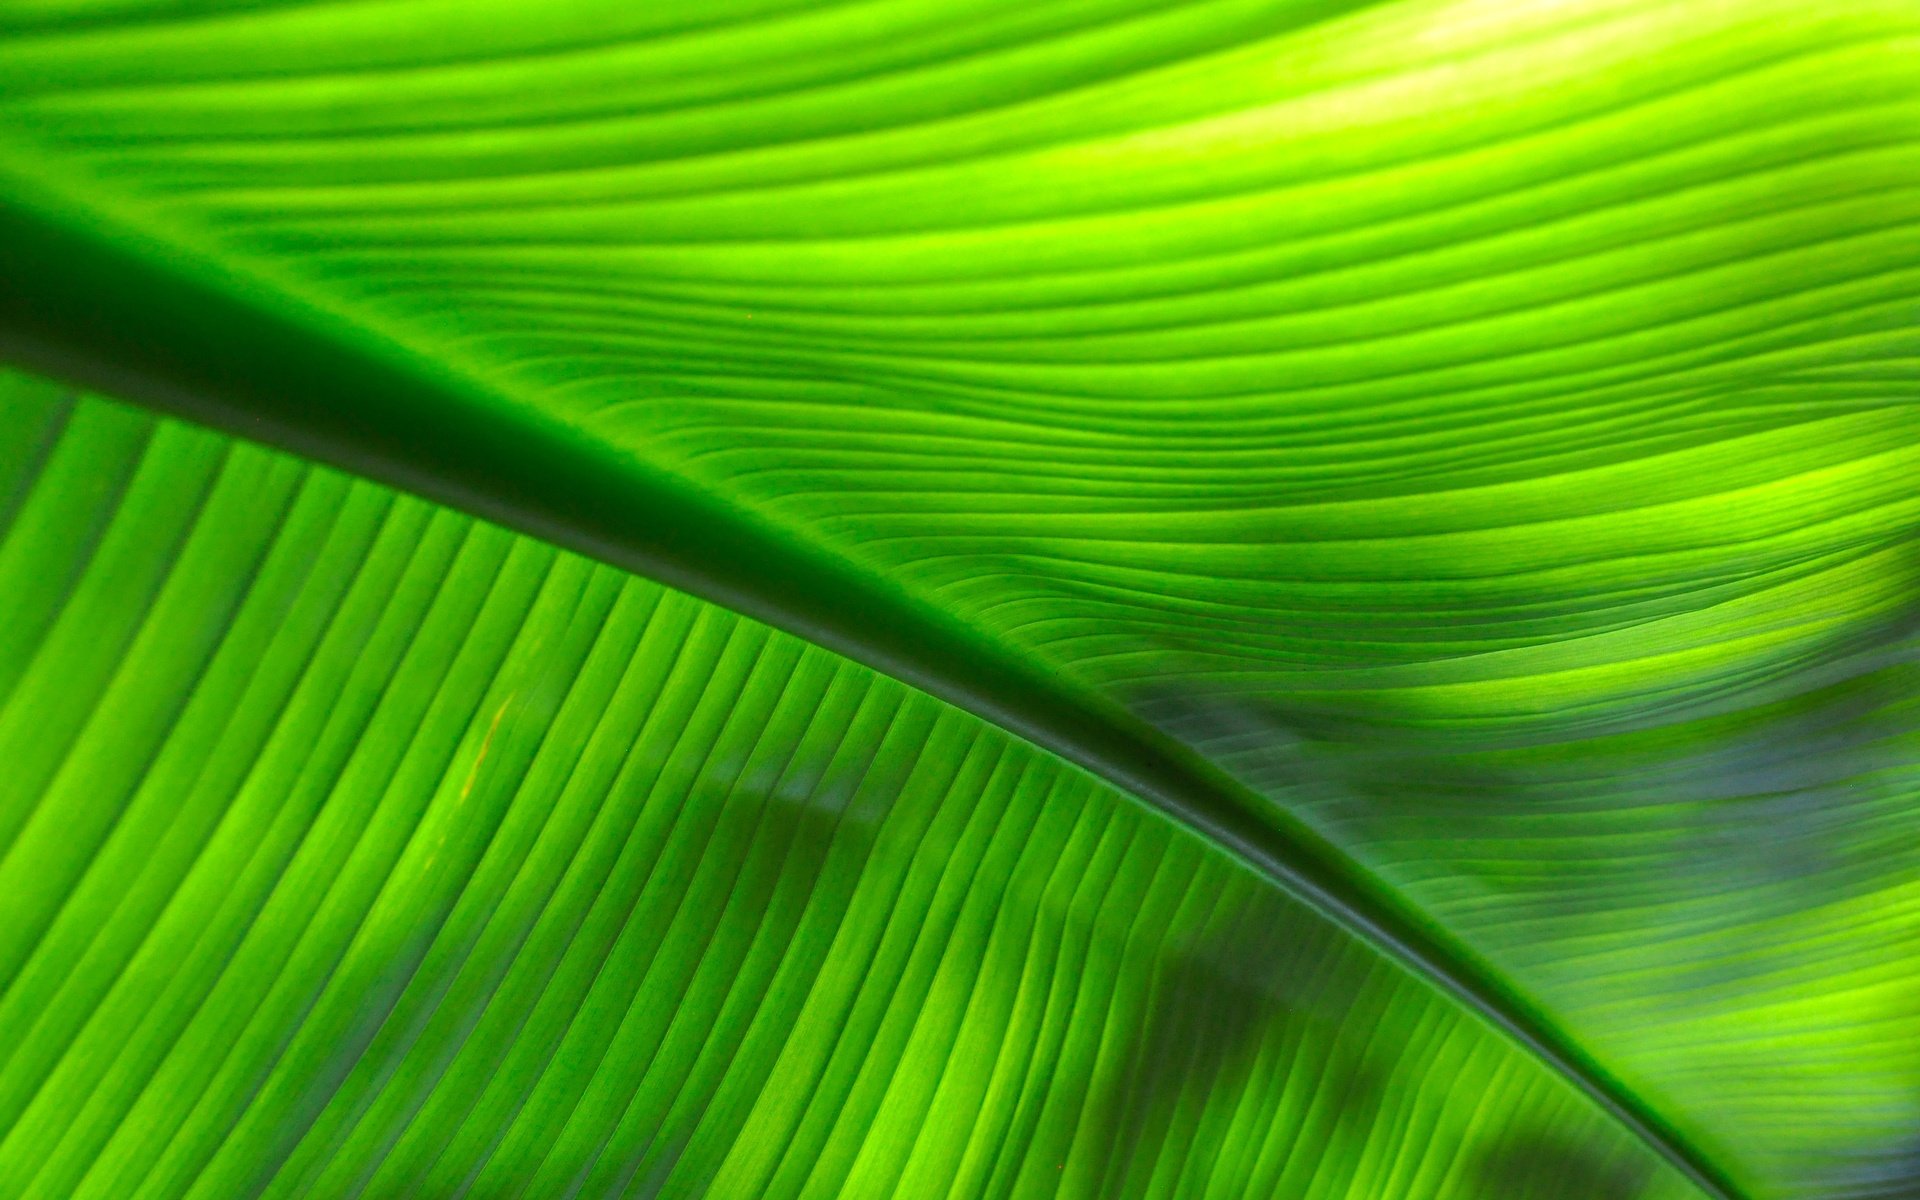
{"x":901,"y":597}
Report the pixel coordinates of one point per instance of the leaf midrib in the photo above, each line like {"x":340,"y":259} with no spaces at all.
{"x":112,"y":302}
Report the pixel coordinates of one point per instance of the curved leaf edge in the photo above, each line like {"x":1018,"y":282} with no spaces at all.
{"x":114,"y":302}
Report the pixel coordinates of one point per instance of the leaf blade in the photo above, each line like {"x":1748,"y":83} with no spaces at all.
{"x":1430,"y":283}
{"x":483,"y":866}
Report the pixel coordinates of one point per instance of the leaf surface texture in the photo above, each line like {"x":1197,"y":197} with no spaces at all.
{"x":1483,"y":430}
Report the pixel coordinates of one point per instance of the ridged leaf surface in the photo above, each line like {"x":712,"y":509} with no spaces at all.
{"x":1479,"y":433}
{"x":359,"y":848}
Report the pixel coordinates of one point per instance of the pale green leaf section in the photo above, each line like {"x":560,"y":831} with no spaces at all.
{"x":355,"y":848}
{"x":1486,"y":426}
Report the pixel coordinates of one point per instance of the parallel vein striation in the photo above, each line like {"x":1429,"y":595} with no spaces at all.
{"x":1485,"y":428}
{"x":379,"y":852}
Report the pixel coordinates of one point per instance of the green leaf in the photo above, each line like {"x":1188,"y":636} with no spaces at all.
{"x":359,"y":848}
{"x":1456,"y":456}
